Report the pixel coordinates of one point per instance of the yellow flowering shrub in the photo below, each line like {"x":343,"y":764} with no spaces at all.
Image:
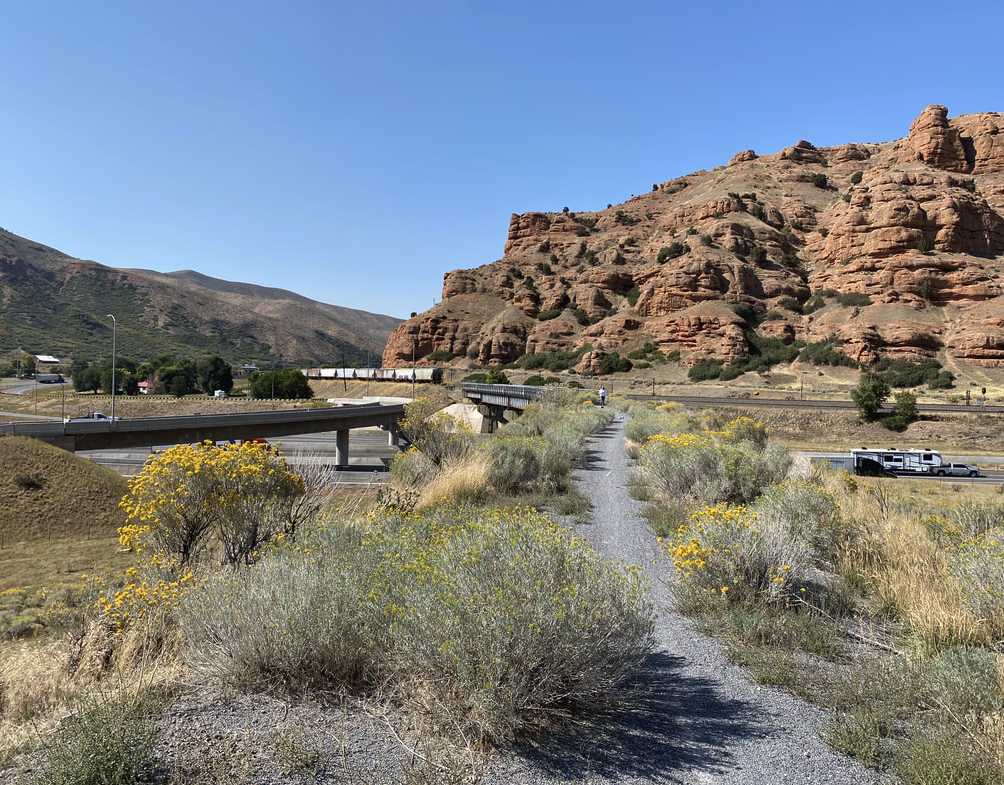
{"x":232,"y":499}
{"x":725,"y":553}
{"x":687,"y":469}
{"x":977,"y":563}
{"x":155,"y":587}
{"x":439,"y":436}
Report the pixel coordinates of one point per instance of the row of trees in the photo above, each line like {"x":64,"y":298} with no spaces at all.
{"x":178,"y":376}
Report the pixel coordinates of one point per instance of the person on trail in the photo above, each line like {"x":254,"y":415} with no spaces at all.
{"x":603,"y":396}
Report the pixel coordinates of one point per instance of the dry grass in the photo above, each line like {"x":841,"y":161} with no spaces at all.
{"x":907,"y":574}
{"x":466,"y":479}
{"x":41,"y":679}
{"x":59,"y":514}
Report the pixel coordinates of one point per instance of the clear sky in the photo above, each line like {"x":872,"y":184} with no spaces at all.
{"x":355,"y":152}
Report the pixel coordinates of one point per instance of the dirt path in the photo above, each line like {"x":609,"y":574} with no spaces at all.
{"x":698,"y":719}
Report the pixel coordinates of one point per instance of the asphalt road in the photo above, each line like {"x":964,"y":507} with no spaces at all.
{"x":369,"y":454}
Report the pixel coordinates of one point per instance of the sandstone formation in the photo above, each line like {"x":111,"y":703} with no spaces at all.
{"x":888,"y":249}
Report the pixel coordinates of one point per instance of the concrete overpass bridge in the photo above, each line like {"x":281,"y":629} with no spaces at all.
{"x":495,"y":400}
{"x":188,"y":429}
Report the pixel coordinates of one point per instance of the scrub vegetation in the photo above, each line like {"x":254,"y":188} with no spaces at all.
{"x":882,"y":601}
{"x":449,"y":598}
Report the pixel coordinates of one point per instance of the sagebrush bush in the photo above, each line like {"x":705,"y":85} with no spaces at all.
{"x":809,"y":512}
{"x":303,"y":616}
{"x":692,"y":469}
{"x":728,"y":554}
{"x":977,"y":563}
{"x":109,"y":740}
{"x":437,"y":435}
{"x":487,"y":619}
{"x":516,"y":463}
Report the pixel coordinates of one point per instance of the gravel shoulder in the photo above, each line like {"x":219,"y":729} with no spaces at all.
{"x":698,"y":719}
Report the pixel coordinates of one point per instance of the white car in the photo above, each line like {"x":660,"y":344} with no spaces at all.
{"x":92,"y":417}
{"x":956,"y":470}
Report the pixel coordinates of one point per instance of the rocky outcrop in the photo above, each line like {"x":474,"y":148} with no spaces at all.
{"x":910,"y":225}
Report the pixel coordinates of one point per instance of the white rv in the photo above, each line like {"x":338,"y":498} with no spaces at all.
{"x":894,"y":461}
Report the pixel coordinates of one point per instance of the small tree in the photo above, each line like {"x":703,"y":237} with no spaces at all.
{"x":496,"y":376}
{"x":215,"y":374}
{"x":870,"y":394}
{"x":178,"y":386}
{"x":906,"y":406}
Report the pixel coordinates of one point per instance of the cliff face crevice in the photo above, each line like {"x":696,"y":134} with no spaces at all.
{"x":916,"y":226}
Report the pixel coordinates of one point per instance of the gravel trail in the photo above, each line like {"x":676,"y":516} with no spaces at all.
{"x":699,"y":720}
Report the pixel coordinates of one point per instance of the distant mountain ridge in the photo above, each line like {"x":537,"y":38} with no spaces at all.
{"x":879,"y":249}
{"x":55,"y":304}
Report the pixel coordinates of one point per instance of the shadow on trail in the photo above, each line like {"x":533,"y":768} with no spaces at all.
{"x":673,"y":724}
{"x":594,"y":460}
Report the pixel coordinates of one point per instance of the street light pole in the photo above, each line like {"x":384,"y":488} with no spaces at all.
{"x":115,"y":325}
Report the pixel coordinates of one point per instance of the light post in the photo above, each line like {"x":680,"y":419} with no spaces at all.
{"x":114,"y":331}
{"x":412,"y":369}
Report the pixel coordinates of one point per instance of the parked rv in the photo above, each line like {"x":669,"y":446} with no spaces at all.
{"x":874,"y":461}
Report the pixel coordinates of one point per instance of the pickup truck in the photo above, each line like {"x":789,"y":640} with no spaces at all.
{"x":956,"y":470}
{"x":92,"y":417}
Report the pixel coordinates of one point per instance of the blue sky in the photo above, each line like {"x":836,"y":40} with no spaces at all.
{"x":355,"y":152}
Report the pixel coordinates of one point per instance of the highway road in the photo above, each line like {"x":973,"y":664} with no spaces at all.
{"x":369,"y":455}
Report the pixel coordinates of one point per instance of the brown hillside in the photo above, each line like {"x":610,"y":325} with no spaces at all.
{"x":53,"y":303}
{"x":766,"y":243}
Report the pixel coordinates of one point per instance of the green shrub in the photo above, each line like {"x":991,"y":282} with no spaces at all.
{"x":856,"y":177}
{"x":440,"y":356}
{"x":546,"y":316}
{"x":814,"y":303}
{"x":966,"y":677}
{"x":904,"y":373}
{"x":673,"y":251}
{"x":977,"y":564}
{"x":854,"y":299}
{"x":431,"y":608}
{"x":810,"y":513}
{"x":703,"y":370}
{"x":516,"y":463}
{"x":725,"y":554}
{"x":612,"y":362}
{"x":758,"y":254}
{"x":819,"y":180}
{"x":108,"y":741}
{"x":632,"y":295}
{"x":790,"y":303}
{"x":825,"y":353}
{"x":689,"y":469}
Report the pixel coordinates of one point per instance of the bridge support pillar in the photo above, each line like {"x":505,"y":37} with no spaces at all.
{"x":393,"y":437}
{"x":342,"y":448}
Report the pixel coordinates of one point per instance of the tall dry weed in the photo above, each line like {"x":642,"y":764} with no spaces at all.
{"x":466,"y":479}
{"x":907,"y":573}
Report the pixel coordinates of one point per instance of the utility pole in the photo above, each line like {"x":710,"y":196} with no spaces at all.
{"x":114,"y":330}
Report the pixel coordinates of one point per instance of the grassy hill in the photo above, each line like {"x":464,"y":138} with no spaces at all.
{"x":59,"y":515}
